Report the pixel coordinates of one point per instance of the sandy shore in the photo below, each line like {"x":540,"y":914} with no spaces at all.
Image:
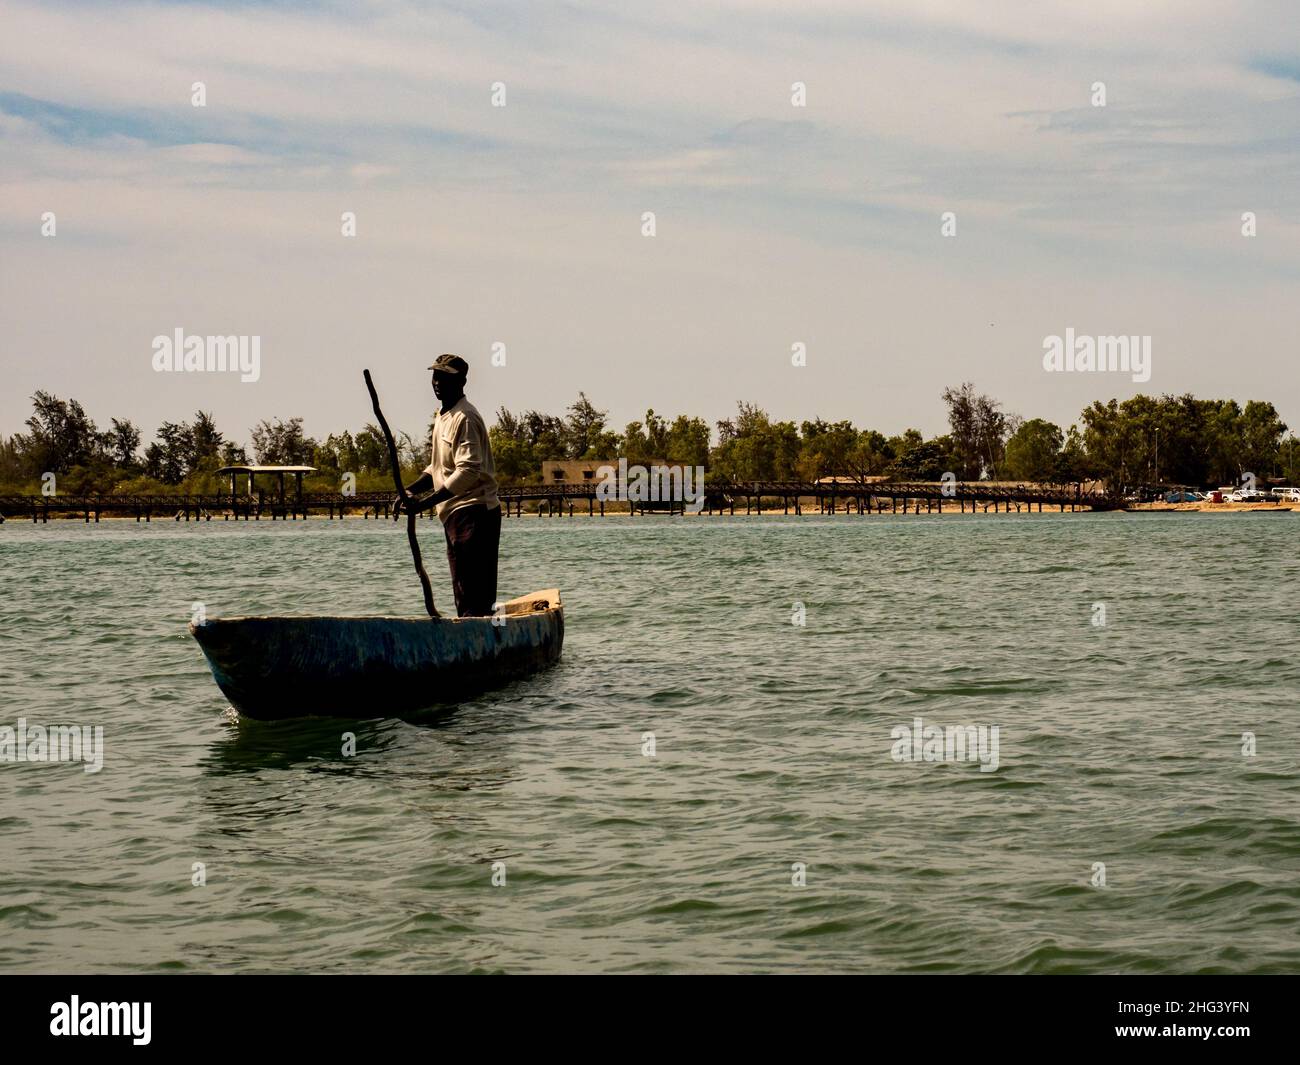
{"x":1212,"y":508}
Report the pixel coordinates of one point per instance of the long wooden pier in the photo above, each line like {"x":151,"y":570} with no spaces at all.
{"x":761,"y":497}
{"x":896,"y":497}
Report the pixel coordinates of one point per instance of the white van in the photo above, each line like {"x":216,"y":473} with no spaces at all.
{"x":1288,"y":495}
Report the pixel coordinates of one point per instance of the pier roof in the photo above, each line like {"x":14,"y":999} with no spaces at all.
{"x":267,"y":469}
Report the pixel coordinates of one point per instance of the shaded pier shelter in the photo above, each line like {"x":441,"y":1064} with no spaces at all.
{"x":278,"y":472}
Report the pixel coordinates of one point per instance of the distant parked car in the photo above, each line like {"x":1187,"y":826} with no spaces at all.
{"x":1288,"y":495}
{"x":1144,"y":495}
{"x":1248,"y":495}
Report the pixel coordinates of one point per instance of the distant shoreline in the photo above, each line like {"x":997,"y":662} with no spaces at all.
{"x":63,"y":518}
{"x":620,"y":510}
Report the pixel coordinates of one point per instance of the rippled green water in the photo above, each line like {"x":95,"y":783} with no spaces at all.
{"x":1119,"y":744}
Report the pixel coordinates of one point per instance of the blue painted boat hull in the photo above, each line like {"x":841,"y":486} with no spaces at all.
{"x":272,"y":668}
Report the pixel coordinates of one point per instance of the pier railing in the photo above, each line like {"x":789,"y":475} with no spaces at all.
{"x":554,"y":499}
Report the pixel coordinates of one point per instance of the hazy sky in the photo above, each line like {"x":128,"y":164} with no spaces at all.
{"x":522,"y":224}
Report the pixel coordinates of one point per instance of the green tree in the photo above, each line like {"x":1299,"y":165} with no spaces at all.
{"x":1289,"y":460}
{"x":60,"y":437}
{"x":827,"y":449}
{"x":233,"y":454}
{"x":1033,"y":452}
{"x":521,"y":442}
{"x":688,"y":441}
{"x":205,"y":444}
{"x":979,"y":430}
{"x":282,"y":443}
{"x":751,"y":447}
{"x":922,"y":460}
{"x":1108,"y":440}
{"x":122,"y":442}
{"x":167,"y":458}
{"x":11,"y":466}
{"x":645,"y":441}
{"x":372,"y":449}
{"x":1261,"y":432}
{"x":587,"y":436}
{"x":1072,"y":464}
{"x":873,"y":453}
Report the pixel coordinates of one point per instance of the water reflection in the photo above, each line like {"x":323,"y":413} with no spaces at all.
{"x":316,"y":744}
{"x":360,"y":771}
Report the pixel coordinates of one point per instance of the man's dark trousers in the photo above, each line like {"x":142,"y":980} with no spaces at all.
{"x":473,"y":534}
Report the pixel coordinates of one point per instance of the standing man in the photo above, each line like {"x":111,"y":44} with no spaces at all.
{"x":463,"y":480}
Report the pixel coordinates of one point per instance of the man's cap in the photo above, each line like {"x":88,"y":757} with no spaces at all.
{"x":453,"y":364}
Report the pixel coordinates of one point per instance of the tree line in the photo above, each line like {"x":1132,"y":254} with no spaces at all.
{"x":1145,"y":440}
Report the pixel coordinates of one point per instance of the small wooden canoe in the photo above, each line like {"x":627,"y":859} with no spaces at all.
{"x":280,"y":667}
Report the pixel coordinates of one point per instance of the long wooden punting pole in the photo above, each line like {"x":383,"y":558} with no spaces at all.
{"x":401,"y":491}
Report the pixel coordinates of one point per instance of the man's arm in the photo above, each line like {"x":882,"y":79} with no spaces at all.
{"x":468,"y":459}
{"x":414,"y":491}
{"x":422,"y":503}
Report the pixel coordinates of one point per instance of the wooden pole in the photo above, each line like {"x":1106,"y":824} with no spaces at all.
{"x":411,"y":536}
